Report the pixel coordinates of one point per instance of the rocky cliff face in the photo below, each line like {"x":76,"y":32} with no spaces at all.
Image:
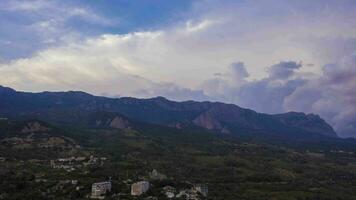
{"x":33,"y":135}
{"x":119,"y":123}
{"x":227,"y":118}
{"x":208,"y":121}
{"x":33,"y":127}
{"x":108,"y":120}
{"x":311,"y":122}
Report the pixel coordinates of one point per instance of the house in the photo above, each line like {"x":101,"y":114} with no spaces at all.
{"x":139,"y":188}
{"x":66,"y":159}
{"x":98,"y":190}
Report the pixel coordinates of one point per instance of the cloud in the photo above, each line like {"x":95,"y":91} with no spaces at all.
{"x":238,"y":71}
{"x":171,"y":91}
{"x":54,"y":10}
{"x":264,"y":95}
{"x":332,"y":96}
{"x":30,"y":26}
{"x":283,"y":70}
{"x":52,"y":50}
{"x":30,"y":6}
{"x":108,"y":64}
{"x":191,"y":27}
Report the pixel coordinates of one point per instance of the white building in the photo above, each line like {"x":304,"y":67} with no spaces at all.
{"x":98,"y":190}
{"x":188,"y":194}
{"x":169,"y":192}
{"x":139,"y":188}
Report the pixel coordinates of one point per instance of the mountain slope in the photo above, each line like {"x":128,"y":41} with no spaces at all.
{"x":71,"y":107}
{"x":231,"y":167}
{"x":34,"y":139}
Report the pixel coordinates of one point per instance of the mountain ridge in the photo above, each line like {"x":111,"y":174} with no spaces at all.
{"x":70,"y":107}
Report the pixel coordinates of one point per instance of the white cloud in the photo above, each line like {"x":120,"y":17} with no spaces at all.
{"x":22,"y":5}
{"x":33,"y":25}
{"x":180,"y":61}
{"x":191,"y":27}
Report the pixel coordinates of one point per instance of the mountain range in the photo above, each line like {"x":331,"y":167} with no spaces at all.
{"x":237,"y":152}
{"x":68,"y":108}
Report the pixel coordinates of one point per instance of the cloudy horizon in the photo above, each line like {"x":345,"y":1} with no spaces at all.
{"x":272,"y":56}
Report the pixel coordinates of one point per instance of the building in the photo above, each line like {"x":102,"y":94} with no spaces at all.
{"x":98,"y":190}
{"x":80,"y":159}
{"x":169,"y":191}
{"x":188,"y":194}
{"x":139,"y":188}
{"x":202,"y":189}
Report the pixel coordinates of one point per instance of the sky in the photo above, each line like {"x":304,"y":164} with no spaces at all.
{"x":272,"y":56}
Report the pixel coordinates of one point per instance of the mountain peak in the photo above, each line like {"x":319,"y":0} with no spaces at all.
{"x":310,"y":122}
{"x":34,"y":126}
{"x":159,"y":98}
{"x":6,"y":90}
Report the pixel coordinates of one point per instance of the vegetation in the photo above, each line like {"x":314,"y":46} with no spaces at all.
{"x":232,"y":167}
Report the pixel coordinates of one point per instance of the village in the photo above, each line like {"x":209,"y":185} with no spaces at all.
{"x":195,"y":192}
{"x":73,"y":163}
{"x":136,"y":187}
{"x":101,"y":190}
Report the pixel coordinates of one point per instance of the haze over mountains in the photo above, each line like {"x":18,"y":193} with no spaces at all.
{"x":71,"y":108}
